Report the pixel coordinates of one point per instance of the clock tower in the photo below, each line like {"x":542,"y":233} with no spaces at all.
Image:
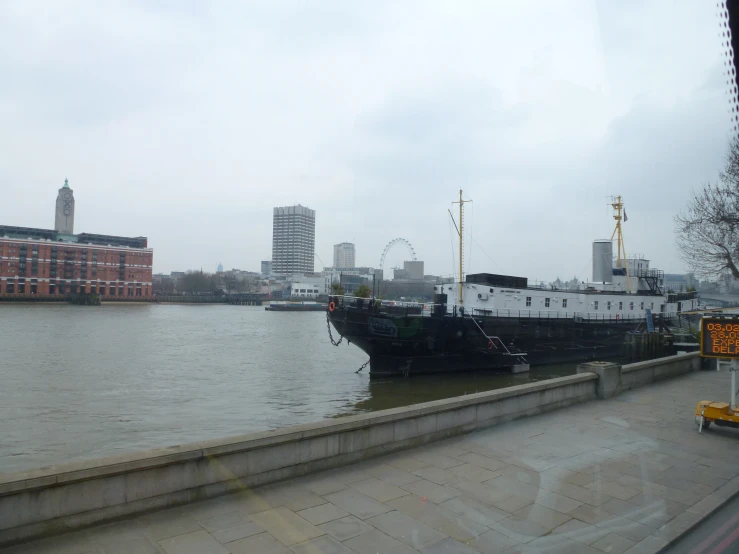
{"x":64,"y":221}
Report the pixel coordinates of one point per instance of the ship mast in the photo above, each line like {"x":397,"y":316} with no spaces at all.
{"x":461,"y":245}
{"x":618,"y":206}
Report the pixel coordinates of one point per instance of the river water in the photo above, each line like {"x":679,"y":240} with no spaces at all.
{"x":83,"y":382}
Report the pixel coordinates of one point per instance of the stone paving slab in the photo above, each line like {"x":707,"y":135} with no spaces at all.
{"x":625,"y":475}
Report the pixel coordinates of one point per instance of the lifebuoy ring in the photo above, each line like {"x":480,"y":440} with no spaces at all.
{"x":490,"y":345}
{"x":331,"y":307}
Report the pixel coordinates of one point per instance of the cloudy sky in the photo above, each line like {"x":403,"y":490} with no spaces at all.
{"x":187,"y":120}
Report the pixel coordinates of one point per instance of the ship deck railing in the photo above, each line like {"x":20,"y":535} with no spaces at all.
{"x":420,"y":309}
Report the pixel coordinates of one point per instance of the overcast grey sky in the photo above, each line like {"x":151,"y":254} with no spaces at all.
{"x":188,"y":120}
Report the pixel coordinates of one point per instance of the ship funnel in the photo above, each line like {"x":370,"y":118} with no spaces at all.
{"x":602,"y":261}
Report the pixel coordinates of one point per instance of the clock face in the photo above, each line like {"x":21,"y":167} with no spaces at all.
{"x":67,"y":196}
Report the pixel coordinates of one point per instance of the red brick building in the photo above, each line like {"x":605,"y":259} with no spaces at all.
{"x":44,"y":262}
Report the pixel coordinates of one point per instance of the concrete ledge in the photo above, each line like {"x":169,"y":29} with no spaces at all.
{"x":59,"y":498}
{"x":652,"y":371}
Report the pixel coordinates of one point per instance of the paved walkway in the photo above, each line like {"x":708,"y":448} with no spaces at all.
{"x":625,"y":475}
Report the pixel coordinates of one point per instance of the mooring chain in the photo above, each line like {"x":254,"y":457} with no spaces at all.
{"x":330,"y":336}
{"x":407,"y":369}
{"x":365,"y":364}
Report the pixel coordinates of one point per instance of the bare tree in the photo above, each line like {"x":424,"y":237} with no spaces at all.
{"x":215,"y":283}
{"x":708,"y":230}
{"x":230,"y":282}
{"x":163,"y":286}
{"x":195,"y":282}
{"x":199,"y":282}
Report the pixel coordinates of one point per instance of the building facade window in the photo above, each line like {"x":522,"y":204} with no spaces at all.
{"x":38,"y":267}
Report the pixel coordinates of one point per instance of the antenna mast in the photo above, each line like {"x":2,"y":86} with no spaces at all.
{"x":461,"y":244}
{"x":618,"y":206}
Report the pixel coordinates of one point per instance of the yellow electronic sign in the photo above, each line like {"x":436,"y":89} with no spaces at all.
{"x":720,"y":337}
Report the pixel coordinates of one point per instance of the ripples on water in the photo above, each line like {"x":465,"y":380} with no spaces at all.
{"x":83,"y":382}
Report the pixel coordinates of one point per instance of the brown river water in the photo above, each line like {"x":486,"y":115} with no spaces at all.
{"x":82,"y":382}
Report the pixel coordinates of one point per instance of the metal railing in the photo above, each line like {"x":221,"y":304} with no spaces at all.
{"x":428,"y":308}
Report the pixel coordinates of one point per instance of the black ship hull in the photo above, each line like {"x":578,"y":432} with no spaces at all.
{"x":404,"y":342}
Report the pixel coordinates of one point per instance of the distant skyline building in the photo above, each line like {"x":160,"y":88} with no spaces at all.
{"x":266,"y":268}
{"x":412,"y":270}
{"x":293,"y":240}
{"x":344,"y":254}
{"x":64,"y":220}
{"x":219,"y":269}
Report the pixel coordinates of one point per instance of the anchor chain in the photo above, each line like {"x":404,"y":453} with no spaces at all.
{"x":365,"y":364}
{"x":407,"y":369}
{"x":330,"y":336}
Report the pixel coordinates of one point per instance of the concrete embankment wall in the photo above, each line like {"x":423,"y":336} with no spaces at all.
{"x":643,"y":373}
{"x":58,"y":498}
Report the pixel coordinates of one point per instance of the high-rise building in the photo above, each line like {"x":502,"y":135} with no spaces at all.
{"x":293,"y":240}
{"x":219,"y":269}
{"x":414,"y":270}
{"x":64,"y":220}
{"x":266,"y":268}
{"x":344,"y":255}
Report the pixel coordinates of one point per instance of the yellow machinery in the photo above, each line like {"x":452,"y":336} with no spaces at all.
{"x":720,"y":340}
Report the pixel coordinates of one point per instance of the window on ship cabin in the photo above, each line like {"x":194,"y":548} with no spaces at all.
{"x":596,"y":304}
{"x":546,"y":302}
{"x":528,"y":301}
{"x":608,"y":305}
{"x":631,"y":305}
{"x":642,"y":305}
{"x":620,"y":306}
{"x":564,"y":302}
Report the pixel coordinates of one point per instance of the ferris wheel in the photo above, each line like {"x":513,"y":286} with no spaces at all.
{"x":396,"y":242}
